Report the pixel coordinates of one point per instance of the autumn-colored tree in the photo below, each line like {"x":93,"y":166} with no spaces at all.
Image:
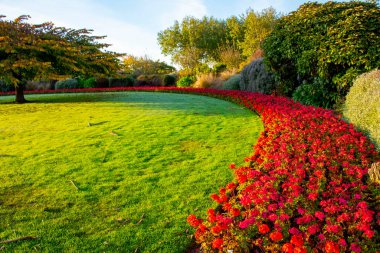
{"x":134,"y":65}
{"x":30,"y":51}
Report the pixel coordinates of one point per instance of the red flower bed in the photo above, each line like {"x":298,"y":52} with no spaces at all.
{"x":302,"y":190}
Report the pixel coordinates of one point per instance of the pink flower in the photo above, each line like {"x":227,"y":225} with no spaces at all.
{"x":355,"y":248}
{"x":319,"y":215}
{"x":313,"y":229}
{"x":272,"y":207}
{"x":342,"y":242}
{"x":273,"y":217}
{"x":294,"y":231}
{"x":284,"y":217}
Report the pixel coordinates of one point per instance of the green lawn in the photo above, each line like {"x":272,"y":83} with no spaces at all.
{"x":114,"y":172}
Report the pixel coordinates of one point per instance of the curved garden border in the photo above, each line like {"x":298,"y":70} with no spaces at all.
{"x":303,"y":188}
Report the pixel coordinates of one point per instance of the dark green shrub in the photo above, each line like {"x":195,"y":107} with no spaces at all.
{"x":149,"y":80}
{"x":89,"y":82}
{"x":186,"y":81}
{"x":362,"y":105}
{"x":128,"y":81}
{"x":233,"y":83}
{"x":71,"y":83}
{"x":316,"y":93}
{"x":6,"y":88}
{"x":169,"y":80}
{"x":102,"y":82}
{"x":335,"y":41}
{"x":256,"y":78}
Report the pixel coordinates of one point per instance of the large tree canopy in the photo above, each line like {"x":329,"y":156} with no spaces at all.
{"x":195,"y":42}
{"x":333,"y":41}
{"x":34,"y":51}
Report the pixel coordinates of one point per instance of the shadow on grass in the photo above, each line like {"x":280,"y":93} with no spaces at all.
{"x":189,"y":103}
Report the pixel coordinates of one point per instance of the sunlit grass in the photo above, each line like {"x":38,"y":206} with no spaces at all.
{"x":114,"y":172}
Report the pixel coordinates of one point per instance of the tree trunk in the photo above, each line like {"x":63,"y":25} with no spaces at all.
{"x":20,"y":99}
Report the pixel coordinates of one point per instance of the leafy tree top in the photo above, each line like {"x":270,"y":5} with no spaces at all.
{"x":32,"y":51}
{"x":335,"y":41}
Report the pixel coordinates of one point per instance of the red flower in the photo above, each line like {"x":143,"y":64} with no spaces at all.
{"x":263,"y":228}
{"x":232,"y":166}
{"x":216,"y":230}
{"x":332,"y":247}
{"x":276,"y":236}
{"x":235,"y":212}
{"x":297,"y":240}
{"x":287,"y":248}
{"x":217,"y":243}
{"x":300,"y":250}
{"x":319,"y":215}
{"x":193,"y":221}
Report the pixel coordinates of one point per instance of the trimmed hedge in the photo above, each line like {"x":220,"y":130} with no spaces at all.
{"x":362,"y":105}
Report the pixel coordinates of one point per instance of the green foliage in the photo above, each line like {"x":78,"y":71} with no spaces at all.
{"x":5,"y":88}
{"x":257,"y":26}
{"x":316,"y":93}
{"x":256,"y":77}
{"x":155,"y":155}
{"x":335,"y":41}
{"x":218,"y":68}
{"x":193,"y":41}
{"x":233,"y":83}
{"x":71,"y":83}
{"x":186,"y":81}
{"x":89,"y":83}
{"x":169,"y":80}
{"x":362,"y":105}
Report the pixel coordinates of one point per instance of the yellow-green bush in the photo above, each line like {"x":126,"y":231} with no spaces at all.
{"x":362,"y":106}
{"x":207,"y":80}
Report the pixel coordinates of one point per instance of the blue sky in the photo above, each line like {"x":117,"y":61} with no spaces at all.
{"x":131,"y":26}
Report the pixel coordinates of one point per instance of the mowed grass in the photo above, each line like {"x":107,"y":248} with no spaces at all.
{"x":114,"y":172}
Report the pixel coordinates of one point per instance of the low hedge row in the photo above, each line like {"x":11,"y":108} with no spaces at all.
{"x":302,"y":190}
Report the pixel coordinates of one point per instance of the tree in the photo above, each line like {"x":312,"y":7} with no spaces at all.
{"x":257,"y":25}
{"x":30,"y":51}
{"x":193,"y":42}
{"x":145,"y":66}
{"x":333,"y":41}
